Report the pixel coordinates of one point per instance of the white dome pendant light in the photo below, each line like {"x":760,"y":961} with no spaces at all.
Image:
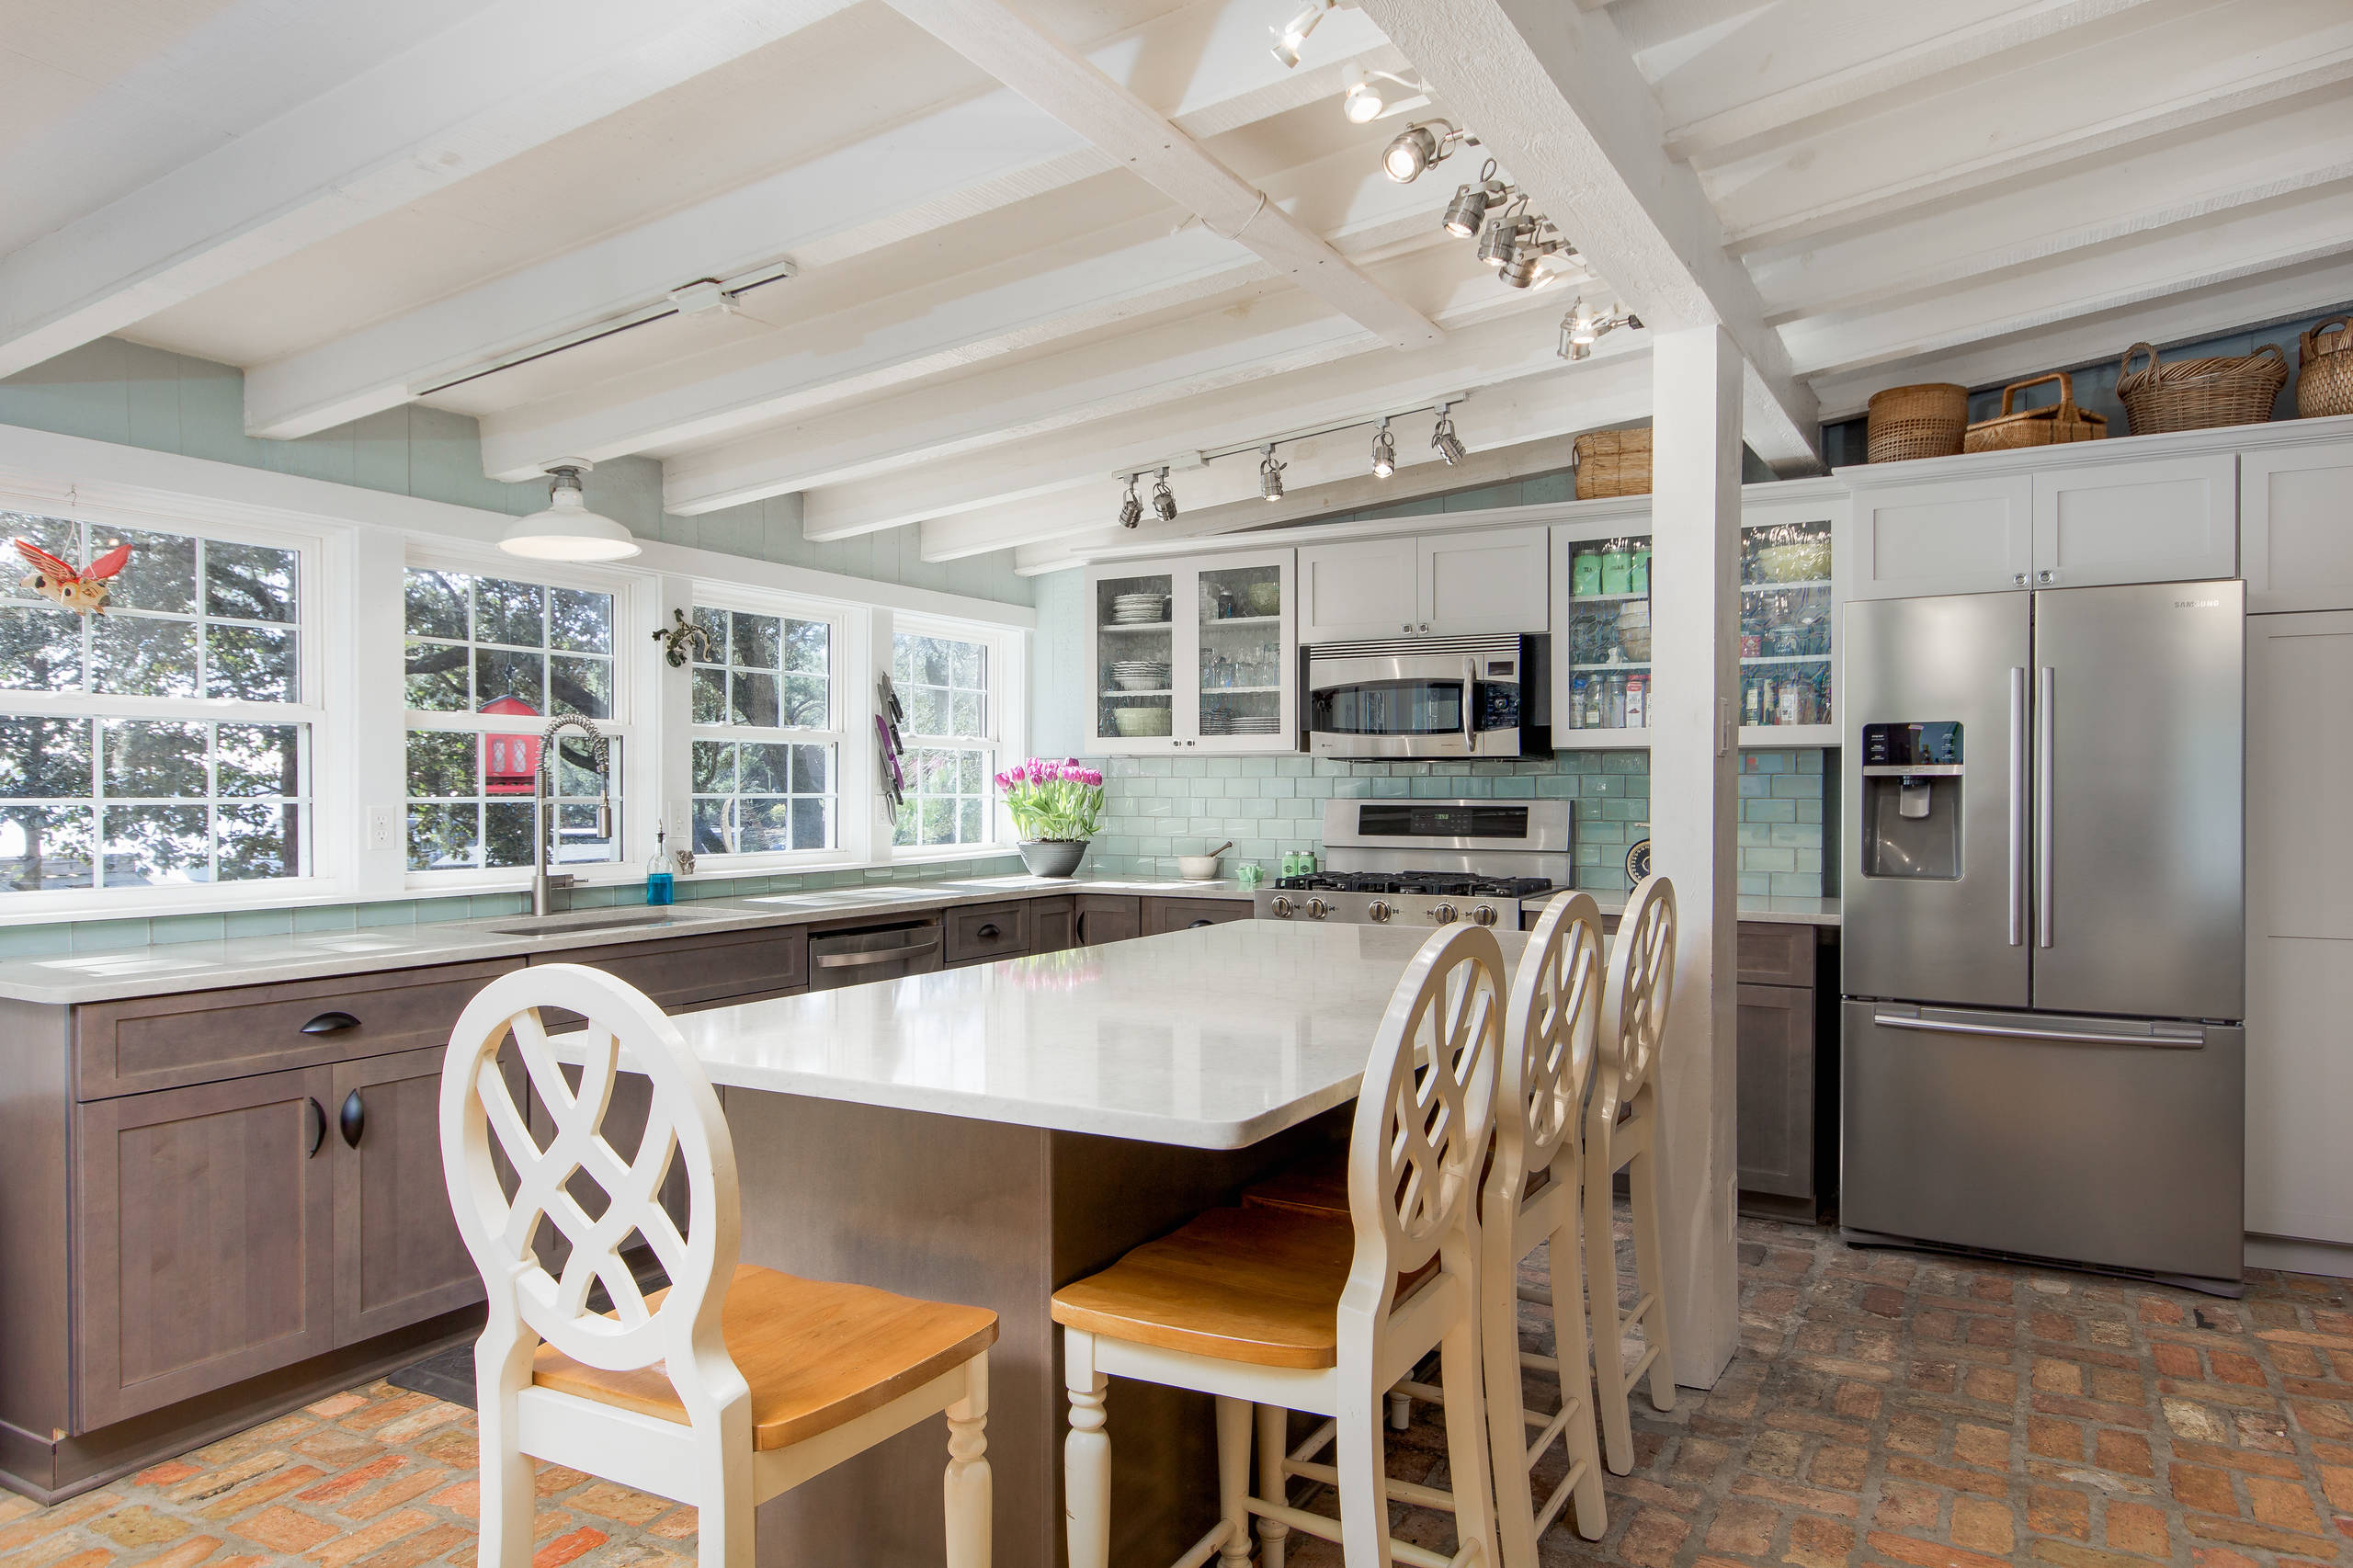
{"x":567,"y":530}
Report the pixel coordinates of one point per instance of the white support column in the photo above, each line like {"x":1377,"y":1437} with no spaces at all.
{"x":1695,"y":765}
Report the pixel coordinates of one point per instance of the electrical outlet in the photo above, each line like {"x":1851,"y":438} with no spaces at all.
{"x":383,"y":827}
{"x":677,"y":823}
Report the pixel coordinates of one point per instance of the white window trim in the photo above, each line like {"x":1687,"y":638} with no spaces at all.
{"x":850,"y":781}
{"x":325,"y":577}
{"x":1007,"y":716}
{"x":640,"y":772}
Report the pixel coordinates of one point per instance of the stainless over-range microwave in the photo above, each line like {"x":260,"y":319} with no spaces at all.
{"x":1428,"y":696}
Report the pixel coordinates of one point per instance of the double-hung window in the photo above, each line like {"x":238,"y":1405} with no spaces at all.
{"x":943,"y":684}
{"x":165,"y":739}
{"x":492,"y":658}
{"x":768,"y":715}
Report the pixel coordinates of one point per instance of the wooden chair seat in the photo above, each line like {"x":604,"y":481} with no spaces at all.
{"x":1319,"y":1184}
{"x":817,"y":1354}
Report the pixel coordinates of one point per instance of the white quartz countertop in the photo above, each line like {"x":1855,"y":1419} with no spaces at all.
{"x":1213,"y":1037}
{"x":1773,"y":911}
{"x":169,"y":966}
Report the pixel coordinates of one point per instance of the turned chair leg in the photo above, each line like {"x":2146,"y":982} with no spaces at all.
{"x":1274,"y":1447}
{"x":1233,"y":1479}
{"x":967,"y":1492}
{"x":1087,"y":1456}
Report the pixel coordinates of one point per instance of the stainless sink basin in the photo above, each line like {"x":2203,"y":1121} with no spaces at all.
{"x":594,"y":920}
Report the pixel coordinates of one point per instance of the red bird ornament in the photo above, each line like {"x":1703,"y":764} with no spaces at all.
{"x":85,"y":591}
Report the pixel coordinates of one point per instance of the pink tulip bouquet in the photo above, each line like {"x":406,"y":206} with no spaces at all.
{"x":1053,"y":800}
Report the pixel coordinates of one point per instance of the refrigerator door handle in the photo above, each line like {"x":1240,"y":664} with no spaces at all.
{"x":2018,"y":804}
{"x":2185,"y":1040}
{"x":2046,"y":734}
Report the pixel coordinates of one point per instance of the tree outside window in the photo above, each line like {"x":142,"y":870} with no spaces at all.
{"x":943,"y":684}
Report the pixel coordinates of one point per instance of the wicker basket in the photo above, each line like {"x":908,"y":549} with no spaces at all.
{"x":2198,"y":394}
{"x":2324,"y":379}
{"x":2060,"y":422}
{"x":1613,"y":462}
{"x":1916,"y":422}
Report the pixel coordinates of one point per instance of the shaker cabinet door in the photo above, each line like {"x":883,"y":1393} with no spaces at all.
{"x":204,"y":1235}
{"x":2165,"y":521}
{"x":1774,"y":1121}
{"x":398,"y":1256}
{"x":1485,"y":582}
{"x":1362,"y":590}
{"x":2296,"y":527}
{"x":1942,"y":537}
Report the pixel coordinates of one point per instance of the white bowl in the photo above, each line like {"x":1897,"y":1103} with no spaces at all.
{"x":1141,"y":721}
{"x":1197,"y":867}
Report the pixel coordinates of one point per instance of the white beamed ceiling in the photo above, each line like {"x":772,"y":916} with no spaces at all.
{"x":1002,"y":294}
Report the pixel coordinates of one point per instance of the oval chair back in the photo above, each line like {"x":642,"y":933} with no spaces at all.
{"x":1549,"y":1029}
{"x":1634,"y":1000}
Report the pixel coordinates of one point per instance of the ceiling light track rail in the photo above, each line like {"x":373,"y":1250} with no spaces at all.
{"x":1270,"y":483}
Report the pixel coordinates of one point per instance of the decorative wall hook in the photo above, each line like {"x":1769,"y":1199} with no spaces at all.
{"x":678,"y":638}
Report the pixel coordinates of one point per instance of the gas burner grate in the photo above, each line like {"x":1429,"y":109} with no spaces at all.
{"x":1434,"y":884}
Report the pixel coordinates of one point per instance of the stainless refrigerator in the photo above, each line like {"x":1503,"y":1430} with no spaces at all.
{"x":2045,"y":923}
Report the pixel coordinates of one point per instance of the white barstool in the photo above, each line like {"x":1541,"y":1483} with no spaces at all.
{"x":1622,"y":1133}
{"x":1531,"y":1199}
{"x":734,"y":1385}
{"x":1287,"y":1309}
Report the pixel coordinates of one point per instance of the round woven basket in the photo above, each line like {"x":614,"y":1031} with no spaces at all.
{"x":1925,"y":421}
{"x":2324,"y":376}
{"x":2198,"y":394}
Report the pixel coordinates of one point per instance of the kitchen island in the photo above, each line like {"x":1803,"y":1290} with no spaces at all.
{"x":986,"y":1135}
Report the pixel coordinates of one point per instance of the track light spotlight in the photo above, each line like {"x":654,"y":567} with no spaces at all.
{"x":1444,"y":439}
{"x":1385,"y":451}
{"x":1270,"y":475}
{"x":1417,"y":147}
{"x":1581,"y":328}
{"x":1364,"y":100}
{"x":1131,"y":508}
{"x":1292,"y":34}
{"x":1467,"y":211}
{"x":1503,"y":236}
{"x":1164,"y":500}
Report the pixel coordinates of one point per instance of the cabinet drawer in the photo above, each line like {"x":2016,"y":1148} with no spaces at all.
{"x":1107,"y":917}
{"x":205,"y":1037}
{"x":985,"y":931}
{"x":1774,"y":954}
{"x":1164,"y":914}
{"x":687,"y":972}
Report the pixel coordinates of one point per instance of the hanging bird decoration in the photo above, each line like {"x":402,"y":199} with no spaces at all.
{"x":84,"y":590}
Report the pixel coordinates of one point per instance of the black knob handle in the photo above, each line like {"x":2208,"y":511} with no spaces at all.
{"x":354,"y":1118}
{"x":318,"y":1125}
{"x":1199,"y":924}
{"x":331,"y":1023}
{"x":987,"y":930}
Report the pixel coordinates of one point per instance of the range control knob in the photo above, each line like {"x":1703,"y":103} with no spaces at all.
{"x":1485,"y":915}
{"x":1279,"y":907}
{"x":1317,"y":909}
{"x":1378,"y":911}
{"x":1442,"y":914}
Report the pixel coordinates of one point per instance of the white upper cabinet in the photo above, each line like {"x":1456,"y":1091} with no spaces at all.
{"x":2169,"y":519}
{"x":1468,"y":583}
{"x":2296,"y":527}
{"x":1194,"y":655}
{"x":1959,"y":536}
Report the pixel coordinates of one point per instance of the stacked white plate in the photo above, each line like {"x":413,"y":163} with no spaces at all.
{"x":1140,"y":674}
{"x":1139,"y":610}
{"x":1221,"y":724}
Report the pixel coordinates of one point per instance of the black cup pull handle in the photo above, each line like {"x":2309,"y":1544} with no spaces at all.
{"x":1199,"y":924}
{"x":331,"y":1023}
{"x":354,"y":1118}
{"x":318,"y":1125}
{"x":988,"y":931}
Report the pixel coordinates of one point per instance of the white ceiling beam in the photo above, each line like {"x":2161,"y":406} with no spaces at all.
{"x":2101,"y":339}
{"x":1555,"y":96}
{"x":1935,"y":146}
{"x":1788,"y":65}
{"x":514,"y":75}
{"x":949,"y":166}
{"x":1085,"y":455}
{"x":2275,"y":237}
{"x":1069,"y":86}
{"x":2304,"y":148}
{"x":1047,"y":286}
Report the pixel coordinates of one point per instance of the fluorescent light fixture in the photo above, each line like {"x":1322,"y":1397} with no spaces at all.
{"x":567,"y":530}
{"x":1417,"y":147}
{"x":1293,"y":33}
{"x":1270,"y":475}
{"x":1384,"y":452}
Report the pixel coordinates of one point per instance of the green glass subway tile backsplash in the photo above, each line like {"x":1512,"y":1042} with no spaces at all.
{"x":1157,"y":808}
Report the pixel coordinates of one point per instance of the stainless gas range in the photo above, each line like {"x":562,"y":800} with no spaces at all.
{"x":1430,"y":863}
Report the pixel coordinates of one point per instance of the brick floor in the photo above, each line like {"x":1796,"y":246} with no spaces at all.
{"x":1884,"y":1408}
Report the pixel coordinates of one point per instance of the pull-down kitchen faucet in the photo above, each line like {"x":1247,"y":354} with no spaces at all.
{"x":543,"y":821}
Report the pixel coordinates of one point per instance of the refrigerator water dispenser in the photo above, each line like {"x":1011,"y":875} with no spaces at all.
{"x":1912,"y":801}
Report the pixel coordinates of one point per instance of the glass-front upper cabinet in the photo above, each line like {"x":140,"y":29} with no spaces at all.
{"x":1602,"y":688}
{"x":1199,"y":654}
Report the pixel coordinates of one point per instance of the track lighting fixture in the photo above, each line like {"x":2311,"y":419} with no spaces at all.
{"x":1366,"y":101}
{"x":1418,"y":146}
{"x":1292,"y":34}
{"x":1385,"y":451}
{"x":1467,"y":211}
{"x":1270,"y":475}
{"x":1580,"y":329}
{"x":1164,"y":500}
{"x":1445,"y":441}
{"x":1530,"y":249}
{"x":567,"y":530}
{"x":1130,"y":508}
{"x":1504,"y":234}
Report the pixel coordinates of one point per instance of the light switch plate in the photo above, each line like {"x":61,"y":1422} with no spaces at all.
{"x":383,"y":827}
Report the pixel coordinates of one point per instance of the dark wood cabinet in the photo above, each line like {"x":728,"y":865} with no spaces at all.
{"x":983,"y":932}
{"x":1108,"y":917}
{"x":682,"y":973}
{"x":1775,"y":1114}
{"x":1053,"y":925}
{"x":203,"y":1239}
{"x":1162,"y":915}
{"x":398,"y":1258}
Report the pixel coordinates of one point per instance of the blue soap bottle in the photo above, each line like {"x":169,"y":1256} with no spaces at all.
{"x":660,"y":886}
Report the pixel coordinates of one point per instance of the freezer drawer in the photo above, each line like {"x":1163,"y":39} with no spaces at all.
{"x":2113,"y":1143}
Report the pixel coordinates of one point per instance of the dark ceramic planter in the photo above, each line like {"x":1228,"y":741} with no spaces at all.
{"x":1053,"y":857}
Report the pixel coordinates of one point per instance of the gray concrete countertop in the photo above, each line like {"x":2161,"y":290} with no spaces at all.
{"x":1775,"y":910}
{"x":166,"y":968}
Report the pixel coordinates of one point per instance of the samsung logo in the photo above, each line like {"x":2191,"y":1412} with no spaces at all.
{"x":2196,"y":604}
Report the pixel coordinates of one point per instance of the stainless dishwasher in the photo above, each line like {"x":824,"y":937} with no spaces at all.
{"x":861,"y":953}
